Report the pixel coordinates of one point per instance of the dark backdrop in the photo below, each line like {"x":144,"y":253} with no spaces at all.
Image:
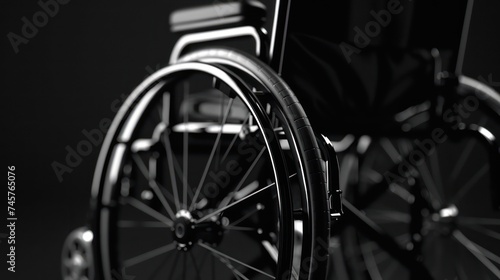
{"x":71,"y":75}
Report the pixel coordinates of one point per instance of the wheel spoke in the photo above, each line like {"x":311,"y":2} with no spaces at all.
{"x":203,"y":260}
{"x":153,"y":177}
{"x":180,"y":174}
{"x":483,"y":230}
{"x":196,"y":268}
{"x":431,"y":186}
{"x":479,"y":221}
{"x":232,"y":194}
{"x":240,"y":228}
{"x":244,"y":217}
{"x":487,"y":253}
{"x":174,"y":266}
{"x":235,"y":260}
{"x":469,"y":184}
{"x":464,"y":155}
{"x":482,"y":255}
{"x":217,"y":153}
{"x":387,"y":216}
{"x":234,"y":139}
{"x":173,"y":180}
{"x":150,"y":211}
{"x":228,"y":264}
{"x":212,"y":153}
{"x":370,"y":261}
{"x":213,"y":265}
{"x":461,"y":275}
{"x":159,"y":194}
{"x":154,"y":185}
{"x":165,"y":113}
{"x":380,"y":256}
{"x":401,"y":192}
{"x":405,"y":147}
{"x":391,"y":151}
{"x":271,"y":250}
{"x":159,"y":267}
{"x":148,"y":255}
{"x":216,"y":212}
{"x":185,"y":149}
{"x":246,"y":190}
{"x":145,"y":172}
{"x":389,"y":271}
{"x":146,"y":224}
{"x":403,"y":238}
{"x":238,"y":201}
{"x":372,"y":176}
{"x":436,"y":170}
{"x":184,"y":266}
{"x":140,"y":164}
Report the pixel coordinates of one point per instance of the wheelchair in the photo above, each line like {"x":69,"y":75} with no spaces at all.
{"x":212,"y":169}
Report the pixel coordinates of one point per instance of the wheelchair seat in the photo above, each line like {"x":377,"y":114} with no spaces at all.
{"x":361,"y":95}
{"x":218,"y":16}
{"x":356,"y":64}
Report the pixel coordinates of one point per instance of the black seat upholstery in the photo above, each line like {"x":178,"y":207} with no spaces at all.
{"x":218,"y":15}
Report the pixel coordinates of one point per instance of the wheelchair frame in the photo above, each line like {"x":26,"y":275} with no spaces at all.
{"x":270,"y":49}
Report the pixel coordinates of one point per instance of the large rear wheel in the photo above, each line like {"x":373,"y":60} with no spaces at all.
{"x":211,"y":171}
{"x":435,"y":195}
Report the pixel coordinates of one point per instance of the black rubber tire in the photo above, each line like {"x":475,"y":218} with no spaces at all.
{"x":319,"y":226}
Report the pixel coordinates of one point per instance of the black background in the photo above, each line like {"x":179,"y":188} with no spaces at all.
{"x":65,"y":80}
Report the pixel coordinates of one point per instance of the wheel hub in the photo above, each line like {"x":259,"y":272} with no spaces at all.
{"x":443,"y":221}
{"x":184,"y":230}
{"x":187,"y":232}
{"x":77,"y":264}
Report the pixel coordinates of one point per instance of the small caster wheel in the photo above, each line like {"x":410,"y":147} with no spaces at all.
{"x":77,"y":258}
